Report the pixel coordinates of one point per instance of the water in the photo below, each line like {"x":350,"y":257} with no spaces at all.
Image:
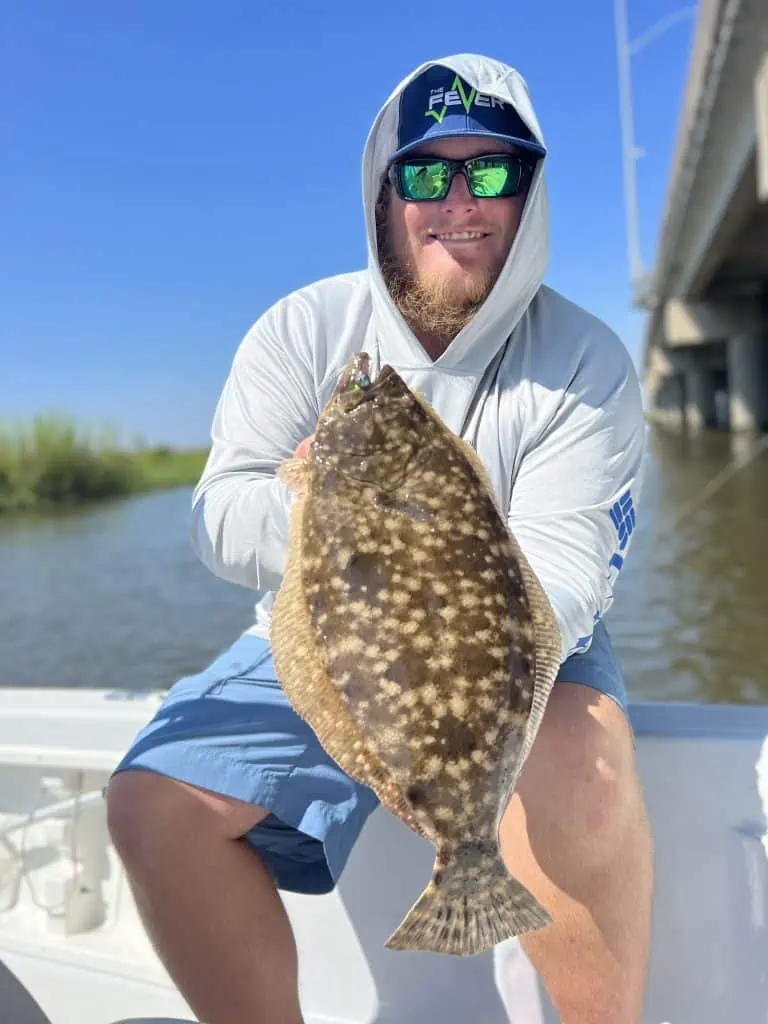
{"x":691,"y":610}
{"x":114,"y":596}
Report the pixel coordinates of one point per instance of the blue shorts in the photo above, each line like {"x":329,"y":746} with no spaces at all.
{"x":230,"y":729}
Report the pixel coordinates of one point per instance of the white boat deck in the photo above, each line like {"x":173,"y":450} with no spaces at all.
{"x":79,"y":949}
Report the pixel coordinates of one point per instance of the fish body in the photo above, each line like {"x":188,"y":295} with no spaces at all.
{"x":413,"y":636}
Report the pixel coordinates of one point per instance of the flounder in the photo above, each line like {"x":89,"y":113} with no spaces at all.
{"x":412,"y":635}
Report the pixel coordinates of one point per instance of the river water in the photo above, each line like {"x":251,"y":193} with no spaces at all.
{"x":114,"y":597}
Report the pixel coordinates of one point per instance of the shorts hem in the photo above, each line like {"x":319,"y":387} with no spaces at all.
{"x":240,"y":781}
{"x":598,"y":689}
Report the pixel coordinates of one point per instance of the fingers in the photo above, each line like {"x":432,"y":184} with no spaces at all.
{"x":303,"y":449}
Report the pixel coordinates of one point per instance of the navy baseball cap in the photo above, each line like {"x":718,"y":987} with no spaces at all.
{"x":439,"y":105}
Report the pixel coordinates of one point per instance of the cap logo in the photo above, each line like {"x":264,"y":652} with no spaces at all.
{"x":456,"y":96}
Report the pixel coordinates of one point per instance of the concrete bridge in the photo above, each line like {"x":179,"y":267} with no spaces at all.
{"x":706,"y":343}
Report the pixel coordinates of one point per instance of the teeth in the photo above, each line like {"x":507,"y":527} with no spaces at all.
{"x":460,"y":236}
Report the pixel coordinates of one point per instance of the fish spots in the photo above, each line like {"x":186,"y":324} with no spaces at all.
{"x":458,"y":705}
{"x":440,"y":662}
{"x":351,"y":644}
{"x":482,"y":759}
{"x":429,"y":693}
{"x":432,"y":767}
{"x":422,"y":528}
{"x":420,"y":614}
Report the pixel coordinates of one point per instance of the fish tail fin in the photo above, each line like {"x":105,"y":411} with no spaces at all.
{"x":471,"y":904}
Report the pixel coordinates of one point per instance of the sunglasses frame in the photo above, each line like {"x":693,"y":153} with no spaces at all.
{"x":526,"y":165}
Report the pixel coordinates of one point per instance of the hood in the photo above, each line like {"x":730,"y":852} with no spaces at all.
{"x":475,"y":346}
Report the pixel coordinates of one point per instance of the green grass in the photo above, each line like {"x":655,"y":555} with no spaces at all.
{"x":53,"y":463}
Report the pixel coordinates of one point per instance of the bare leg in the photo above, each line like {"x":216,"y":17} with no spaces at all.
{"x":208,"y":903}
{"x":576,"y":834}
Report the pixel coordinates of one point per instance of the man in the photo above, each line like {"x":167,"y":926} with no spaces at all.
{"x":456,"y":220}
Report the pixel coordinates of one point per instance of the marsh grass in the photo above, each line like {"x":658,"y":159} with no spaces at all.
{"x":53,"y":462}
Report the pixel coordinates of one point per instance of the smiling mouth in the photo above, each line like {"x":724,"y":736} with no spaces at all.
{"x":458,"y":236}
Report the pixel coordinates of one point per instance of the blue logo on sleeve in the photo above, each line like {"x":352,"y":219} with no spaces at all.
{"x":623,"y":516}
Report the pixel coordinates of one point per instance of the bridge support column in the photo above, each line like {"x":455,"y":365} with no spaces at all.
{"x":700,"y":408}
{"x":669,"y":406}
{"x":747,"y":356}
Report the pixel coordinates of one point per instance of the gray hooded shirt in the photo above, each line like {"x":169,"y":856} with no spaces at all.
{"x":543,"y":391}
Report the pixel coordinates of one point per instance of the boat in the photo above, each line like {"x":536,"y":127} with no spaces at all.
{"x":73,"y":951}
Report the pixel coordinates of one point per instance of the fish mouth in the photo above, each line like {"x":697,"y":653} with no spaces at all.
{"x":366,"y":389}
{"x":355,"y":403}
{"x":385,"y":374}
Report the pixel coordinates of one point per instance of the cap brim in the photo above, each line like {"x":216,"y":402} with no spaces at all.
{"x":532,"y":147}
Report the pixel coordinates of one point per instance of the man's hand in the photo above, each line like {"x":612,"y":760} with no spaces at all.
{"x":303,"y":449}
{"x":293,"y":473}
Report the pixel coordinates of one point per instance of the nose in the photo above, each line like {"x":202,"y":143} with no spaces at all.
{"x":459,"y":196}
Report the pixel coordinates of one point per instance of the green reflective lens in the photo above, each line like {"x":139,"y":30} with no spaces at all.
{"x":425,"y":180}
{"x":488,"y":177}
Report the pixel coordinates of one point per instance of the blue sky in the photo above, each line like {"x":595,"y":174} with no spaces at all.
{"x":145,"y":221}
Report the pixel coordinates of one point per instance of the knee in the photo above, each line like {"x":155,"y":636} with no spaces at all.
{"x":599,"y":789}
{"x":580,"y":791}
{"x":132,"y":810}
{"x":148,"y":812}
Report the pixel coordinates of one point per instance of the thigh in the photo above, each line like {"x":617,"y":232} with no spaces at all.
{"x":231,"y":730}
{"x":232,"y":712}
{"x":577,"y":789}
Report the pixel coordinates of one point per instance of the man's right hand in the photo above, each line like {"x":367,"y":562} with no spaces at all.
{"x":302,"y":450}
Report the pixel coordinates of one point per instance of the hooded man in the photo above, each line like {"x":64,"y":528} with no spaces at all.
{"x":456,"y":216}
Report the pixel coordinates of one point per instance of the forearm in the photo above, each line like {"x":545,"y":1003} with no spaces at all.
{"x":240,"y":509}
{"x":240,"y":529}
